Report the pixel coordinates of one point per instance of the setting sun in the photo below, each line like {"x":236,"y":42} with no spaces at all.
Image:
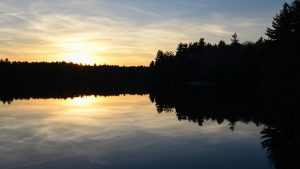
{"x":79,"y":58}
{"x":81,"y":52}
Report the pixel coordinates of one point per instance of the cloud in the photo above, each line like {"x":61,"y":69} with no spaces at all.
{"x":111,"y":31}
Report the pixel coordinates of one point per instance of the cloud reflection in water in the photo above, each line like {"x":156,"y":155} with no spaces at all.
{"x":118,"y":132}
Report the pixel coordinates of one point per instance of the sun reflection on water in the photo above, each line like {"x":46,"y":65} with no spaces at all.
{"x":41,"y":131}
{"x":82,"y":101}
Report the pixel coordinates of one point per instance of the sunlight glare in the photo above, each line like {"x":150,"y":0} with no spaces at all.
{"x":82,"y":101}
{"x":81,"y":53}
{"x":79,"y":58}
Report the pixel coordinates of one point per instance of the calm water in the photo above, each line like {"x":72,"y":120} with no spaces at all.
{"x":120,"y":132}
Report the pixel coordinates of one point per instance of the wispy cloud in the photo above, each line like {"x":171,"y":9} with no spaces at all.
{"x":113,"y":32}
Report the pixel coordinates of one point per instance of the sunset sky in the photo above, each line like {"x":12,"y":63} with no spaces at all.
{"x":123,"y":32}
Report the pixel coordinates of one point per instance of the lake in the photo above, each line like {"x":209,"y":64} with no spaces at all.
{"x":124,"y":131}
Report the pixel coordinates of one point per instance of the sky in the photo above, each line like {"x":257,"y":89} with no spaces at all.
{"x":123,"y":32}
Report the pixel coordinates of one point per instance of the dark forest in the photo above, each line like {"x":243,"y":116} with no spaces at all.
{"x":269,"y":65}
{"x":236,"y":82}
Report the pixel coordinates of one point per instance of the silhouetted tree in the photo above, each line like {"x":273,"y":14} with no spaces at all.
{"x":221,"y":44}
{"x":260,"y":41}
{"x":234,"y":40}
{"x":181,"y":49}
{"x":286,"y":24}
{"x":282,"y":60}
{"x":152,"y":64}
{"x":202,"y":42}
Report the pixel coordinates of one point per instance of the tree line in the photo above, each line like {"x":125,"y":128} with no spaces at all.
{"x":23,"y":79}
{"x":268,"y":61}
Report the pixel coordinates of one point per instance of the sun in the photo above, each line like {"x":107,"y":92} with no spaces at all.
{"x":80,"y":53}
{"x":79,"y":58}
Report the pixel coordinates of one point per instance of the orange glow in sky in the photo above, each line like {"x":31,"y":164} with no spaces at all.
{"x":122,"y":32}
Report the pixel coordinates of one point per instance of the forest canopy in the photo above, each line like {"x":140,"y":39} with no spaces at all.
{"x":274,"y":59}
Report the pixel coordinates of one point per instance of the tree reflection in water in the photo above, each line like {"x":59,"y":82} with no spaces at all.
{"x":280,"y":136}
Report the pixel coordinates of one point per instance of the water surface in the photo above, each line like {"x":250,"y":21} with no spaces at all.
{"x":120,"y":132}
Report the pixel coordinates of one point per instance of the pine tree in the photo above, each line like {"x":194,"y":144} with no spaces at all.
{"x":235,"y":40}
{"x":285,"y":26}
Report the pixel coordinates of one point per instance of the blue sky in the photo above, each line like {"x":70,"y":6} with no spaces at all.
{"x":125,"y":32}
